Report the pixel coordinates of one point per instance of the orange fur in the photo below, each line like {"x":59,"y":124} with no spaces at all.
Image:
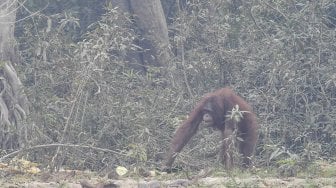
{"x":221,"y":102}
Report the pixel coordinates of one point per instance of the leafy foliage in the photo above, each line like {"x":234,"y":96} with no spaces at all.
{"x":279,"y":55}
{"x":276,"y":54}
{"x":86,"y":93}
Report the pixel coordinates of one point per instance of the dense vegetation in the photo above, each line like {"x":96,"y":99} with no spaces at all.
{"x":279,"y":55}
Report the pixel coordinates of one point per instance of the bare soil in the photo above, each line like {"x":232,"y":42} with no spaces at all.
{"x":71,"y":180}
{"x":11,"y":177}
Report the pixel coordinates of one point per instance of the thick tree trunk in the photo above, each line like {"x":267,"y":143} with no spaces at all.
{"x":13,"y":102}
{"x":151,"y":24}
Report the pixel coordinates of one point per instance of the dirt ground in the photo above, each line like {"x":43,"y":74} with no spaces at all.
{"x":72,"y":180}
{"x":26,"y":175}
{"x":204,"y":182}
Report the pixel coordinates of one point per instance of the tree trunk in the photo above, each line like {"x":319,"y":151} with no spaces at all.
{"x":13,"y":102}
{"x":151,"y":24}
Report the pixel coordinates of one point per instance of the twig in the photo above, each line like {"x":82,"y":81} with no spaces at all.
{"x":276,"y":10}
{"x":183,"y":34}
{"x":58,"y":145}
